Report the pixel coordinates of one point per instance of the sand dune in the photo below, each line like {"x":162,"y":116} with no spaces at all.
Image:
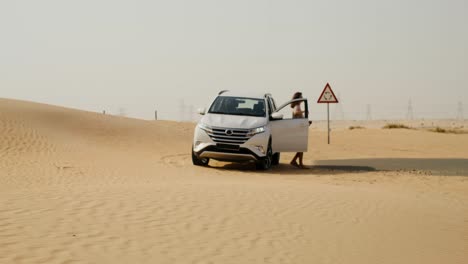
{"x":82,"y":187}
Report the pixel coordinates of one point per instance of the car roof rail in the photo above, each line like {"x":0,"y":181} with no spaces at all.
{"x":223,"y":91}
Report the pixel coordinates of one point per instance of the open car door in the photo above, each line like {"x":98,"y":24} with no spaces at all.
{"x":290,"y":134}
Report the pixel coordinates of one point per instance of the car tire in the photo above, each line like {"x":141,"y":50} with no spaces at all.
{"x":276,"y":159}
{"x":266,"y":162}
{"x":199,"y":162}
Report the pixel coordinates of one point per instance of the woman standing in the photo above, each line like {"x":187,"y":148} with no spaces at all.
{"x":298,"y":113}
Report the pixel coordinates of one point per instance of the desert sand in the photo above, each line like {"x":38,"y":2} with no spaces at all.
{"x":83,"y":187}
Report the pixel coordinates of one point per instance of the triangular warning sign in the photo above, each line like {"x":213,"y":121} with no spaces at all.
{"x":327,"y":96}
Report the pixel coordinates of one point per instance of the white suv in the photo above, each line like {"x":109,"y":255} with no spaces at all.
{"x":248,"y":127}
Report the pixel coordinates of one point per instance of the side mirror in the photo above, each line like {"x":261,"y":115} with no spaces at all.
{"x":201,"y":111}
{"x":276,"y":116}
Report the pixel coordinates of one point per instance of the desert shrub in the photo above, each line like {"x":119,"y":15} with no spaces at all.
{"x":448,"y":131}
{"x":395,"y":125}
{"x":356,"y":127}
{"x":439,"y":130}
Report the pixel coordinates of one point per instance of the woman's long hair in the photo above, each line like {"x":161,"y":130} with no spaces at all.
{"x":297,"y":95}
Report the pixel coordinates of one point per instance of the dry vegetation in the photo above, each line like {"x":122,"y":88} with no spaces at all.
{"x":436,"y":129}
{"x":396,"y":126}
{"x":448,"y":131}
{"x":356,"y":127}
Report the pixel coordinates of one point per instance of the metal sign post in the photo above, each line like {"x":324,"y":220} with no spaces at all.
{"x":328,"y":97}
{"x":328,"y":122}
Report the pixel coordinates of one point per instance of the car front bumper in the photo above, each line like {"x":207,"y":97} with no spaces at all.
{"x":241,"y":155}
{"x":252,"y":150}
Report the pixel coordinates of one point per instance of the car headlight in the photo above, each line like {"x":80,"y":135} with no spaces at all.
{"x":205,"y":128}
{"x":256,"y":131}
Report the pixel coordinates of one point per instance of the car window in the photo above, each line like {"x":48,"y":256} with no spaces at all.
{"x":229,"y":105}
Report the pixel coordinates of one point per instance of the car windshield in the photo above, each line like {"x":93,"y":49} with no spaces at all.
{"x":228,"y":105}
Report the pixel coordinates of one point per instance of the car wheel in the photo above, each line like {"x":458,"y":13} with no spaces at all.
{"x":276,"y":159}
{"x":265,"y":163}
{"x":199,"y":162}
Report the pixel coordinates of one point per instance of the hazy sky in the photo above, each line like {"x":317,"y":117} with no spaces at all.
{"x":147,"y":55}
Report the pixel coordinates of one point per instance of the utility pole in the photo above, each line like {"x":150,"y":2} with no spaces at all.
{"x":156,"y":115}
{"x":192,"y":113}
{"x":460,"y":111}
{"x":409,"y":113}
{"x":122,"y":111}
{"x":369,"y":112}
{"x":181,"y":110}
{"x":339,"y":113}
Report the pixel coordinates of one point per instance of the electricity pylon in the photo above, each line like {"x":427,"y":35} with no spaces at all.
{"x":460,"y":111}
{"x":409,"y":113}
{"x":369,"y":112}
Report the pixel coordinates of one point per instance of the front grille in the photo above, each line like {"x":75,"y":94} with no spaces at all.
{"x":227,"y":146}
{"x":229,"y":136}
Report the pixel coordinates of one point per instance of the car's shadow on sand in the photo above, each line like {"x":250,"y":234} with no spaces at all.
{"x":291,"y":170}
{"x":446,"y":167}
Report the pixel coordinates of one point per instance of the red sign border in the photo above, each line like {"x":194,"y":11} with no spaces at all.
{"x":332,"y":102}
